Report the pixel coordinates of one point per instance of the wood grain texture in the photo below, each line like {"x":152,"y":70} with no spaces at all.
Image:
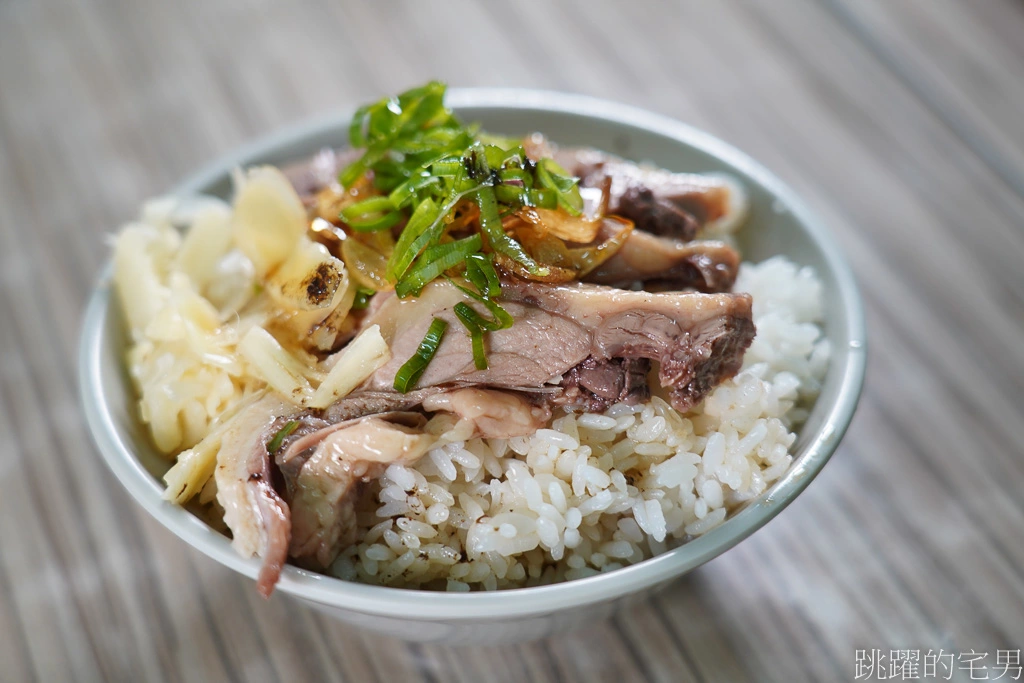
{"x":898,"y":121}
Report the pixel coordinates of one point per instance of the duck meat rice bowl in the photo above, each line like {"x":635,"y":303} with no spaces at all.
{"x":445,"y":359}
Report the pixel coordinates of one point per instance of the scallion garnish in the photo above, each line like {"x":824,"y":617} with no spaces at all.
{"x":427,"y":165}
{"x":502,"y":318}
{"x":480,"y":271}
{"x":362,"y":300}
{"x":476,"y":335}
{"x":370,"y":215}
{"x":566,"y":188}
{"x":413,"y":368}
{"x":435,"y":261}
{"x":282,"y":434}
{"x":490,"y":225}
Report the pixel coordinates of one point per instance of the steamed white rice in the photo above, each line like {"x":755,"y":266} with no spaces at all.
{"x":596,"y":492}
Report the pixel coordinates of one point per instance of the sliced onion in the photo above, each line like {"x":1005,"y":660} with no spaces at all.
{"x":366,"y":265}
{"x":561,"y":224}
{"x":465,"y":214}
{"x":555,"y":275}
{"x":614,"y":233}
{"x":566,"y":263}
{"x":329,"y":202}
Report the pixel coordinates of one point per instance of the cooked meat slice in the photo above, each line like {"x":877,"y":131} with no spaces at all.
{"x":309,"y":423}
{"x":344,"y":457}
{"x":369,"y":402}
{"x":257,"y":516}
{"x":653,"y":213}
{"x":657,"y":201}
{"x":496,"y":414}
{"x":707,"y":266}
{"x":596,"y":384}
{"x":537,"y":349}
{"x":698,"y":339}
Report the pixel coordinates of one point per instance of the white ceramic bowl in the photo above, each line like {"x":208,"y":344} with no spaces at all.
{"x":779,"y":224}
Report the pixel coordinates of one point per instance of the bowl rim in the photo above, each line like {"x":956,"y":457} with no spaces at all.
{"x":516,"y":602}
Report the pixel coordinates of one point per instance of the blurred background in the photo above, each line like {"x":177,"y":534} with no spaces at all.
{"x":898,"y":121}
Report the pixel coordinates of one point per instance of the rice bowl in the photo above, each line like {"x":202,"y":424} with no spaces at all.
{"x":619,"y":544}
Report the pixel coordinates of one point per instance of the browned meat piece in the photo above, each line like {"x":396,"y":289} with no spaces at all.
{"x":653,"y":213}
{"x":662,"y":262}
{"x":595,"y":384}
{"x":332,"y":464}
{"x":496,"y":414}
{"x":698,"y":339}
{"x":657,"y":201}
{"x":257,"y":516}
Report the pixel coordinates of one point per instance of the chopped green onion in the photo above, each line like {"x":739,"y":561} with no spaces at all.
{"x":422,"y":219}
{"x":465,"y":312}
{"x":435,"y":261}
{"x":565,"y":187}
{"x":352,"y":173}
{"x":515,"y":156}
{"x":490,"y":224}
{"x":477,"y":324}
{"x":476,"y":335}
{"x":362,"y":300}
{"x":544,"y":199}
{"x":512,"y":194}
{"x":282,"y":434}
{"x":480,"y":271}
{"x":502,"y":319}
{"x":376,"y":223}
{"x":371,"y":205}
{"x":413,"y":368}
{"x":426,"y":161}
{"x":514,"y":173}
{"x":401,"y":195}
{"x":370,"y":215}
{"x":447,"y":168}
{"x":499,"y":140}
{"x":494,"y":155}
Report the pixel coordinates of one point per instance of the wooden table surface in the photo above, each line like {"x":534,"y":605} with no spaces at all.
{"x":900,"y":121}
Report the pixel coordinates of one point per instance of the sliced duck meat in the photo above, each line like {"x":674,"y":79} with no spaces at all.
{"x":658,"y":201}
{"x":364,"y":402}
{"x":666,"y":263}
{"x":595,"y":384}
{"x":258,"y":517}
{"x":537,"y":349}
{"x":653,"y":213}
{"x":697,"y":339}
{"x":496,"y":414}
{"x":305,"y":424}
{"x":334,"y":464}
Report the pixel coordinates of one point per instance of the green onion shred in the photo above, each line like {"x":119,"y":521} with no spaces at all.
{"x":411,"y":370}
{"x":426,"y":164}
{"x":282,"y":434}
